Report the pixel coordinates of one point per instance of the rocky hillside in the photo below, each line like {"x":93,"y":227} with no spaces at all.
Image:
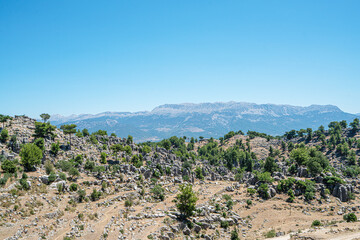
{"x":254,"y":186}
{"x":207,"y":119}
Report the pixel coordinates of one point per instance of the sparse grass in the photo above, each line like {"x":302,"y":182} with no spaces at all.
{"x":270,"y":234}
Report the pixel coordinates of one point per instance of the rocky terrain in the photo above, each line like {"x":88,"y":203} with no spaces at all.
{"x":303,"y":185}
{"x":206,"y":119}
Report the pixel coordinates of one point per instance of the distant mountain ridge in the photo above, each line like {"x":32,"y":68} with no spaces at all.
{"x":207,"y":119}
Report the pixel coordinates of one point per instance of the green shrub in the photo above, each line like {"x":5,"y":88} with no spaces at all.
{"x":251,"y":191}
{"x":229,"y":204}
{"x":8,"y":166}
{"x":55,"y":147}
{"x":224,"y":224}
{"x":226,"y":197}
{"x":81,"y":195}
{"x":351,"y":217}
{"x":263,"y":191}
{"x":95,"y":195}
{"x":316,"y":223}
{"x":158,"y":192}
{"x":31,"y":156}
{"x":128,"y":203}
{"x":270,"y":234}
{"x":234,"y":235}
{"x":52,"y":177}
{"x":62,"y":176}
{"x":49,"y":167}
{"x":73,"y":187}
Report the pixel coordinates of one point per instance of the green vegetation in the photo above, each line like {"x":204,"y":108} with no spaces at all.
{"x":69,"y":129}
{"x":31,"y":156}
{"x":350,"y":217}
{"x":186,"y":200}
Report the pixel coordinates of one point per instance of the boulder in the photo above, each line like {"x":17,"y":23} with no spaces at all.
{"x":302,"y":172}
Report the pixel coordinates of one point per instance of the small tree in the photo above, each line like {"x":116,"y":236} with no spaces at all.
{"x":8,"y":166}
{"x":95,"y":195}
{"x":45,"y":117}
{"x":31,"y":156}
{"x":55,"y":147}
{"x":234,"y":235}
{"x":73,"y":172}
{"x":40,"y":143}
{"x":116,"y":148}
{"x":49,"y":167}
{"x":4,"y":118}
{"x":85,"y":132}
{"x":69,"y":129}
{"x":270,"y":165}
{"x":129,"y":139}
{"x":186,"y":200}
{"x":81,"y":195}
{"x":355,"y":125}
{"x":158,"y":192}
{"x":4,"y":135}
{"x":44,"y":130}
{"x":103,"y":156}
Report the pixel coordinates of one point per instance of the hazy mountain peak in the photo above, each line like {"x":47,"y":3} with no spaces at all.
{"x":207,"y":119}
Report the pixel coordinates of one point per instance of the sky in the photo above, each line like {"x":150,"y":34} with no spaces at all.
{"x":74,"y":57}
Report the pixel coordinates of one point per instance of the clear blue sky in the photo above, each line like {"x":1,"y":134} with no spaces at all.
{"x":72,"y":57}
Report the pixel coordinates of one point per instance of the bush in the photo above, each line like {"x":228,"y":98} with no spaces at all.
{"x":265,"y":177}
{"x":78,"y":160}
{"x":251,"y":191}
{"x":224,"y":224}
{"x":60,"y":187}
{"x":291,"y":196}
{"x":62,"y":176}
{"x":270,"y":234}
{"x":8,"y":166}
{"x":198,"y":173}
{"x":95,"y":195}
{"x":73,"y":187}
{"x":229,"y":204}
{"x":158,"y":192}
{"x":52,"y":177}
{"x":263,"y":191}
{"x":40,"y":143}
{"x":64,"y":165}
{"x":31,"y":156}
{"x":103,"y":158}
{"x":316,"y":223}
{"x":4,"y":135}
{"x":49,"y":167}
{"x":234,"y":235}
{"x":55,"y":147}
{"x":81,"y":195}
{"x":128,"y":203}
{"x":351,"y":217}
{"x":89,"y":165}
{"x":270,"y":165}
{"x":248,"y":202}
{"x":24,"y":185}
{"x":286,"y":184}
{"x":73,"y":172}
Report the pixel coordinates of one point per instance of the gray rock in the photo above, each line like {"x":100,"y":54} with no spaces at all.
{"x":186,"y":231}
{"x":302,"y":172}
{"x":44,"y":179}
{"x":197,"y":228}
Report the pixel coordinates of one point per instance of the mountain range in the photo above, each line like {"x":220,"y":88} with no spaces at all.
{"x":206,"y":119}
